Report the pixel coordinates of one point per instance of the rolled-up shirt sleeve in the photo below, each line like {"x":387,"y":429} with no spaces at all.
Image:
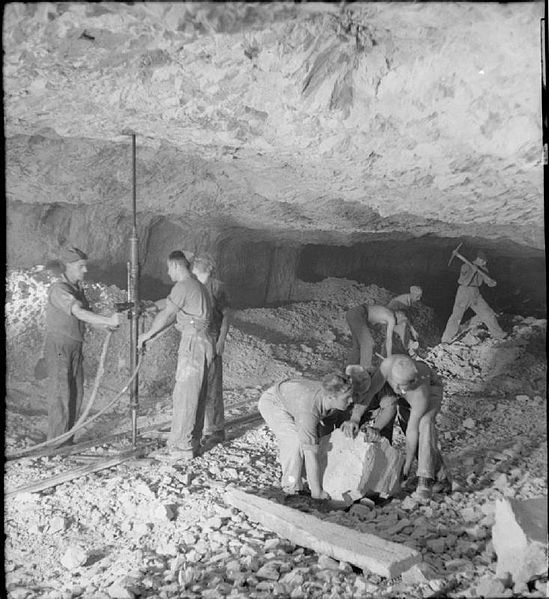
{"x":63,"y":300}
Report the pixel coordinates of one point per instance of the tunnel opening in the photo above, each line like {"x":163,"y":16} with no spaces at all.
{"x":396,"y":265}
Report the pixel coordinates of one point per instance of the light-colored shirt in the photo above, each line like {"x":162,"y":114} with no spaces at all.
{"x":303,"y":399}
{"x":470,"y":277}
{"x":193,"y":303}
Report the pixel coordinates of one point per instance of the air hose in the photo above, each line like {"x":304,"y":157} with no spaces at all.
{"x":82,"y":422}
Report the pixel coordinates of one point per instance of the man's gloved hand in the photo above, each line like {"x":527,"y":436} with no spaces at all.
{"x":350,"y":428}
{"x":371,"y":434}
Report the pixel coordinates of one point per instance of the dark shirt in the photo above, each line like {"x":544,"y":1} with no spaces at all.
{"x":220,"y":303}
{"x":60,"y":320}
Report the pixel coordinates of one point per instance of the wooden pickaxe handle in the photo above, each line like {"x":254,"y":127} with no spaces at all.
{"x":456,"y":254}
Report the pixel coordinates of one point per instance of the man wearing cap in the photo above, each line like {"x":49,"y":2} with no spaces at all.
{"x":188,"y":304}
{"x":471,"y":277}
{"x":416,"y":397}
{"x":358,"y":318}
{"x":214,"y":420}
{"x":67,"y":313}
{"x":401,"y":305}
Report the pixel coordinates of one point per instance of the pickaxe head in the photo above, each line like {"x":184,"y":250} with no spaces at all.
{"x":454,"y":253}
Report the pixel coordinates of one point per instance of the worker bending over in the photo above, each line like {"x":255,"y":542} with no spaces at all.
{"x":293,"y":410}
{"x":67,"y":313}
{"x":188,"y":304}
{"x":358,"y":319}
{"x":401,"y":305}
{"x":214,"y":421}
{"x":416,"y":397}
{"x":471,"y":277}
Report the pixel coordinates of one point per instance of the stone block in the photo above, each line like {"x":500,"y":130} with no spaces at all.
{"x":519,"y":537}
{"x":352,"y":467}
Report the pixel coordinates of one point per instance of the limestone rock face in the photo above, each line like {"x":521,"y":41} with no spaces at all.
{"x":408,"y":117}
{"x":519,"y":536}
{"x":351,"y":467}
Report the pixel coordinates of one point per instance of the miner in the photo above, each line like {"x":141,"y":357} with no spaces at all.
{"x":188,"y":304}
{"x":67,"y":313}
{"x":214,"y":422}
{"x":401,"y":305}
{"x":415,"y":394}
{"x":359,"y":318}
{"x":293,"y":410}
{"x":471,"y":277}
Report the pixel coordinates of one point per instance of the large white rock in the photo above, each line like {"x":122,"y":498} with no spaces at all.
{"x":519,"y":536}
{"x":352,"y":467}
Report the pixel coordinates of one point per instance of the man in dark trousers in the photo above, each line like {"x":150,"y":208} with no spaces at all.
{"x":188,"y":304}
{"x":67,"y":313}
{"x":214,"y":422}
{"x":471,"y":277}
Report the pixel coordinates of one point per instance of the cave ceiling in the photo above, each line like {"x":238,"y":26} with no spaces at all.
{"x":308,"y":119}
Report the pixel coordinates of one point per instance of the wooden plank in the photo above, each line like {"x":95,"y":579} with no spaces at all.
{"x":364,"y":550}
{"x":64,"y":477}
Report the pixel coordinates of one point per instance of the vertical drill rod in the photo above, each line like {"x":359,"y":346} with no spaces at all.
{"x":134,"y":312}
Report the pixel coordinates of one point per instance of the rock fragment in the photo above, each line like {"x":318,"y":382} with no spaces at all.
{"x":74,"y":557}
{"x":519,"y":537}
{"x":352,"y":467}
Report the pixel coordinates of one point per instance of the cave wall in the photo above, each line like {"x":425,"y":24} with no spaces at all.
{"x":396,"y":264}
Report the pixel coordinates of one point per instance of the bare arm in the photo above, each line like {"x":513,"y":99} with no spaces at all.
{"x":161,"y":303}
{"x":163,"y":319}
{"x":94,"y":319}
{"x":224,"y":329}
{"x":389,"y":335}
{"x":313,"y":473}
{"x":419,"y":401}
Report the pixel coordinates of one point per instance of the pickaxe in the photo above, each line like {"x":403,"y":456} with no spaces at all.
{"x":456,"y":254}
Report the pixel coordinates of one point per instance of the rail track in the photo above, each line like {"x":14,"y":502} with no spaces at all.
{"x":234,"y":426}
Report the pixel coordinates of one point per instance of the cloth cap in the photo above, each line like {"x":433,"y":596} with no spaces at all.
{"x":415,"y":289}
{"x":404,"y":370}
{"x":481,"y":256}
{"x":72,"y":254}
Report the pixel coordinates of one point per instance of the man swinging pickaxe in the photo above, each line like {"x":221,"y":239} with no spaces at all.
{"x":477,"y":265}
{"x":471,"y":277}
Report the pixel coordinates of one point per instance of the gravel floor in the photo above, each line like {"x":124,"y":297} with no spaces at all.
{"x":146,"y":529}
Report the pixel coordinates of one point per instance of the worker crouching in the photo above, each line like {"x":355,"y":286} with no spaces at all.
{"x":293,"y":410}
{"x":413,"y":391}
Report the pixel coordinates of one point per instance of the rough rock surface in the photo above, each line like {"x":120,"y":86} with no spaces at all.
{"x":519,"y":536}
{"x":301,"y":122}
{"x":352,"y":467}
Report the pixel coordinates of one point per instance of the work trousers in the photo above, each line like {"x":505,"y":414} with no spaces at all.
{"x":469,"y":297}
{"x":282,"y":423}
{"x":189,"y":394}
{"x":362,"y":349}
{"x":65,"y":384}
{"x":214,"y":421}
{"x":430,"y":463}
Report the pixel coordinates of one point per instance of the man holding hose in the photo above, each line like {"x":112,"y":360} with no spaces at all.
{"x":188,"y":304}
{"x":67,"y":313}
